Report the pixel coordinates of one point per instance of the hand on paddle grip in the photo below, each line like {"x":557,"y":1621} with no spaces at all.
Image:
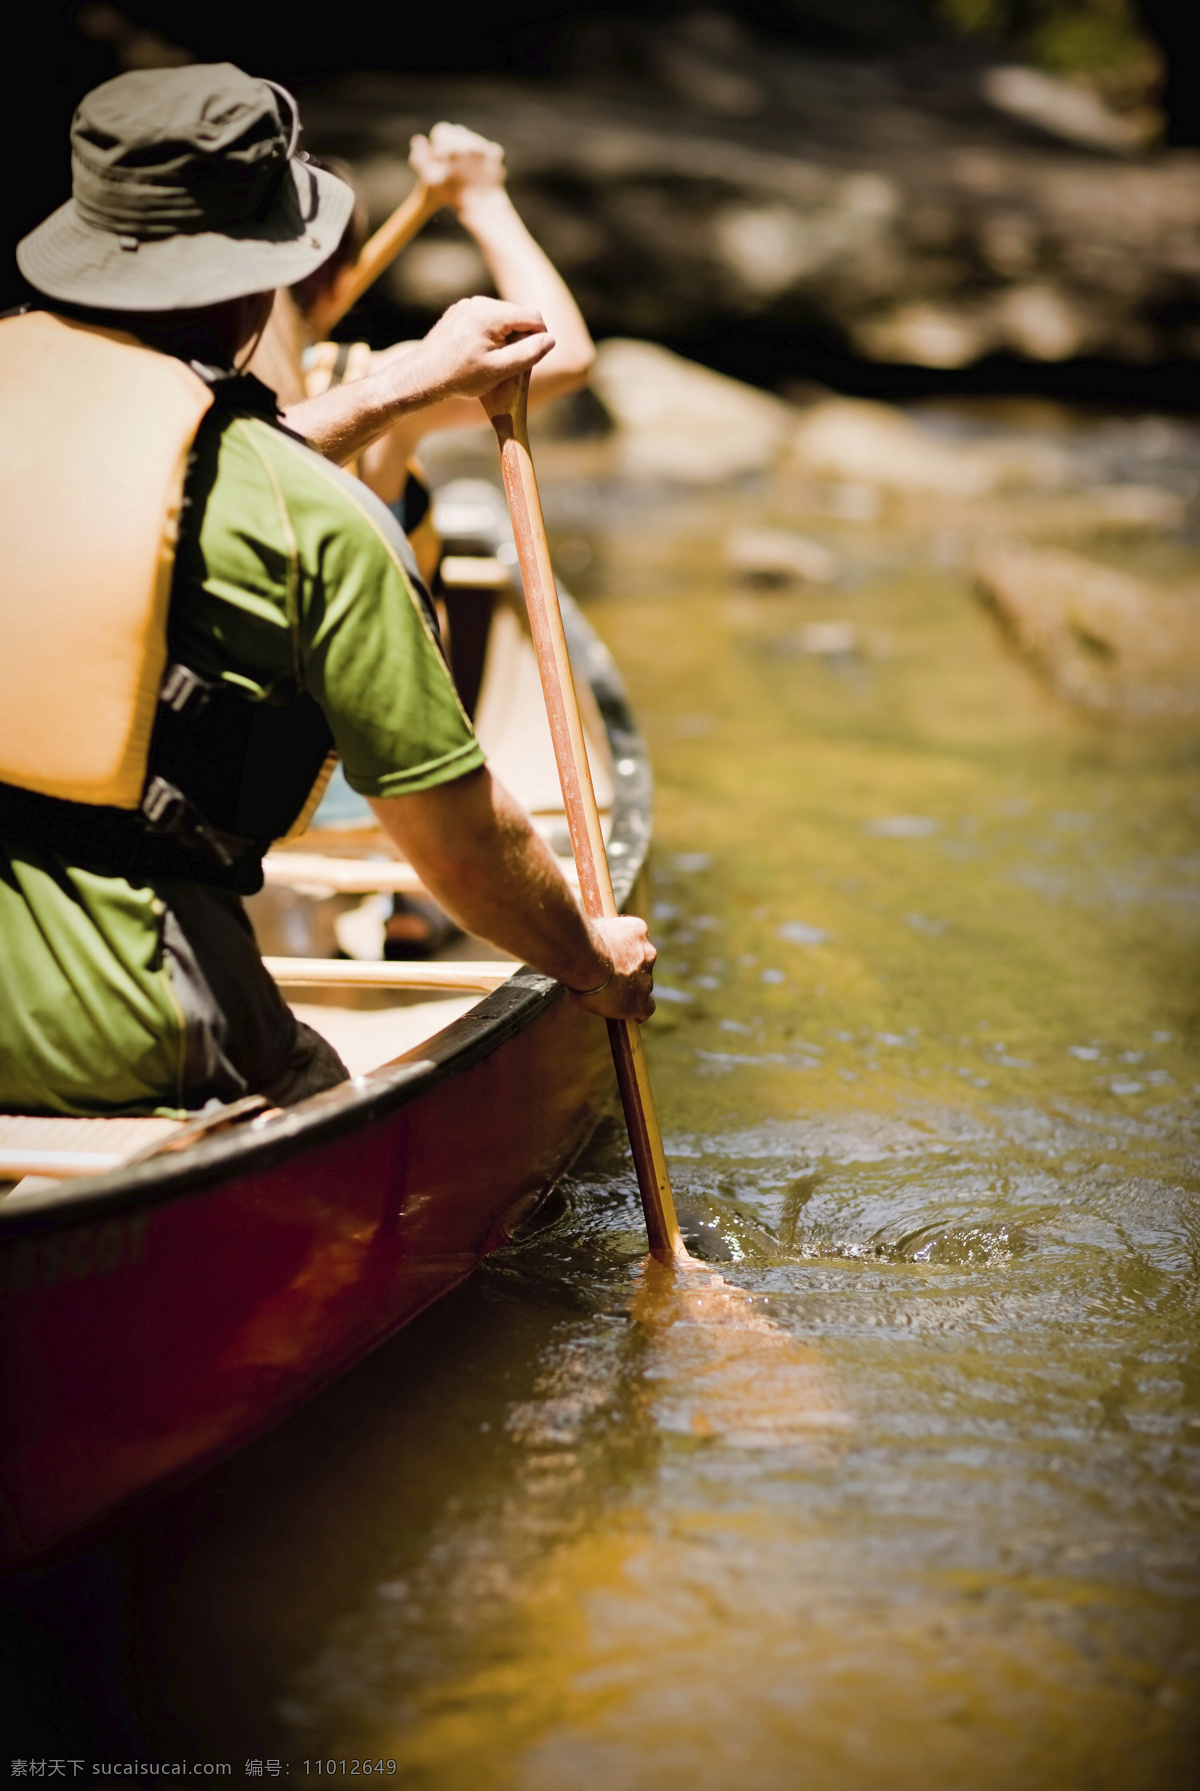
{"x":479,"y":343}
{"x":456,"y":163}
{"x":629,"y":993}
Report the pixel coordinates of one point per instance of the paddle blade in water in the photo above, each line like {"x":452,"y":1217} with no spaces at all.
{"x":717,"y":1368}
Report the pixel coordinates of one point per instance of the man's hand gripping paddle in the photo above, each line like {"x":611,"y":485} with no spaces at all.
{"x":506,"y":406}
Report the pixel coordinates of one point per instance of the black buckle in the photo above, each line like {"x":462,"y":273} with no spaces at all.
{"x":167,"y":810}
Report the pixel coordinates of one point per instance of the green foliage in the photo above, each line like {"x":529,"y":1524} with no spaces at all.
{"x":978,"y":18}
{"x":1088,"y":39}
{"x":1098,"y":41}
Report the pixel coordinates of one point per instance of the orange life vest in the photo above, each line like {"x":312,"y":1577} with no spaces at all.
{"x":102,"y":744}
{"x":95,"y":431}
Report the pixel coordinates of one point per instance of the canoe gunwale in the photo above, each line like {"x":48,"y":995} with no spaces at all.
{"x":247,"y":1150}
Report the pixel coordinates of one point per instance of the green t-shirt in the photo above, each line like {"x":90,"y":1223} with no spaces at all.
{"x":289,"y":581}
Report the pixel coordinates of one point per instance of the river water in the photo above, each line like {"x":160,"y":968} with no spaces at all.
{"x":913,"y":1501}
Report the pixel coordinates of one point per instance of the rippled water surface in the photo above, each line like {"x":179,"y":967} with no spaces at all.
{"x":909,"y":1496}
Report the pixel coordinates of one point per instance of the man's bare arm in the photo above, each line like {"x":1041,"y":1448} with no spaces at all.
{"x":466,"y":171}
{"x":475,"y":849}
{"x":477,"y":343}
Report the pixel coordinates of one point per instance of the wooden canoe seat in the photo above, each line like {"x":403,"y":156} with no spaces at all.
{"x":34,"y":1149}
{"x":38,"y":1152}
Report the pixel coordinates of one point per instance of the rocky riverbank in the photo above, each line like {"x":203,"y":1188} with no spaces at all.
{"x":930,"y":210}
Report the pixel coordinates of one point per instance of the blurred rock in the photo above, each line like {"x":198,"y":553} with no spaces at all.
{"x":680,"y":422}
{"x":1105,"y":640}
{"x":852,"y":501}
{"x":778,"y":557}
{"x":1040,"y":322}
{"x":854,"y":440}
{"x":926,"y":335}
{"x":1122,"y":508}
{"x":827,"y":640}
{"x":707,"y":61}
{"x":135,"y":47}
{"x":1067,"y":515}
{"x":1066,"y":111}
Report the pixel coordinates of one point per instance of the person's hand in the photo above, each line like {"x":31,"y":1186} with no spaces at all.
{"x":629,"y":995}
{"x":457,"y":164}
{"x":476,"y":345}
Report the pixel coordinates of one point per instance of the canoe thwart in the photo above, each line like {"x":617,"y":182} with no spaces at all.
{"x":464,"y":976}
{"x":60,"y":1165}
{"x":357,"y":876}
{"x":474,"y":572}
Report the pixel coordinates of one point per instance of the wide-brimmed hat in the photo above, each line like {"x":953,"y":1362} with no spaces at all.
{"x":186,"y":190}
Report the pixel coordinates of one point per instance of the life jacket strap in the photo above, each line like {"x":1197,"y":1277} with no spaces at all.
{"x":177,"y":846}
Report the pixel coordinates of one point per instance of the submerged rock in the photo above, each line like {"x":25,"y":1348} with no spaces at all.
{"x":778,"y":557}
{"x":1105,"y":640}
{"x":826,"y":640}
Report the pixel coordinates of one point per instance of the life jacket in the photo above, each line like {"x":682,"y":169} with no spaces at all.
{"x":110,"y":753}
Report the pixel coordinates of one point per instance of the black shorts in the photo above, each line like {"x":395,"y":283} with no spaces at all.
{"x":240,"y":1036}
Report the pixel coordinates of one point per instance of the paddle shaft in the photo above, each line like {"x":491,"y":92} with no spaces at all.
{"x":378,"y":251}
{"x":506,"y":406}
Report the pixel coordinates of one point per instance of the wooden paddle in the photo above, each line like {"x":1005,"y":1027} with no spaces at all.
{"x":377,"y":253}
{"x":507,"y":406}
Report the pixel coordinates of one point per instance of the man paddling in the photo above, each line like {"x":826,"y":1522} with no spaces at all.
{"x":198,"y":611}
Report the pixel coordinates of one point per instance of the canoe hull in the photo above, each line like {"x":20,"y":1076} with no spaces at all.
{"x":142,"y":1344}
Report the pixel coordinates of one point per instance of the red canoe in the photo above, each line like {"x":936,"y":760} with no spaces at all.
{"x":157,"y":1317}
